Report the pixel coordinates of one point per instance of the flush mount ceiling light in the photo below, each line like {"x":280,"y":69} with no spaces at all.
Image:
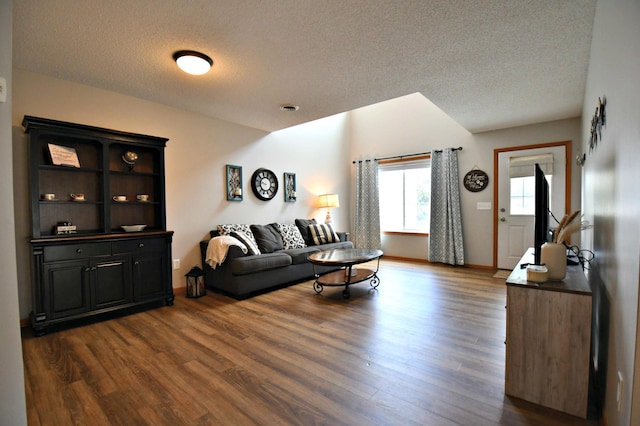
{"x":289,"y":107}
{"x":193,"y":62}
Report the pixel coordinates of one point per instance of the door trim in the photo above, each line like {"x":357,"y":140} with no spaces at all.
{"x":567,"y":183}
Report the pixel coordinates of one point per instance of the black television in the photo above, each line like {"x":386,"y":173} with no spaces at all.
{"x":541,"y":218}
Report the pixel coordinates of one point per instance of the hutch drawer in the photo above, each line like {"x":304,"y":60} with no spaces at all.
{"x":76,"y":251}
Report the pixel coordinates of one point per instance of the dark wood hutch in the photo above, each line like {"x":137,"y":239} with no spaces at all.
{"x":84,"y":262}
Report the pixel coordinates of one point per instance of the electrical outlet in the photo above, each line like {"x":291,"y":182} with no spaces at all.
{"x":176,"y":263}
{"x":619,"y":391}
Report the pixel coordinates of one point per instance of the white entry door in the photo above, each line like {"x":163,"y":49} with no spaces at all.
{"x":515,"y":224}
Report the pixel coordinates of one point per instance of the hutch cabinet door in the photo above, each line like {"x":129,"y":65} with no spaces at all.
{"x":66,"y":289}
{"x":149,"y":275}
{"x":111,"y":283}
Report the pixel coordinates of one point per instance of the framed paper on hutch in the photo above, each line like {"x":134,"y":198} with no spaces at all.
{"x":63,"y":156}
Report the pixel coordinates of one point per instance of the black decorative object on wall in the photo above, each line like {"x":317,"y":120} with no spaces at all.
{"x":475,"y":180}
{"x":598,"y":120}
{"x":234,"y":183}
{"x":290,"y":195}
{"x":264,"y":184}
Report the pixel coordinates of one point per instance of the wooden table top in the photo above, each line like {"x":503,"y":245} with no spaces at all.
{"x":344,"y":257}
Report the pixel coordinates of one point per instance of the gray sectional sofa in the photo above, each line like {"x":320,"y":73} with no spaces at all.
{"x":279,"y":263}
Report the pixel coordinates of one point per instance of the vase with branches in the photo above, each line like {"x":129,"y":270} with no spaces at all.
{"x":554,"y":253}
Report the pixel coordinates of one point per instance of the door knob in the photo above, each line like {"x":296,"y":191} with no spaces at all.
{"x":503,"y":219}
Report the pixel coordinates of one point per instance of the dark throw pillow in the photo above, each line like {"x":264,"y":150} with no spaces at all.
{"x":267,"y":237}
{"x":303,"y":226}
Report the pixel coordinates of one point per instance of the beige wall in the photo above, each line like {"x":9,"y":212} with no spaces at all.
{"x":412,"y":124}
{"x":611,"y":201}
{"x":196,"y":155}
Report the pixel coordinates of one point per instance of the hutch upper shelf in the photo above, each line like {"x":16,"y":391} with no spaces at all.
{"x":120,"y":176}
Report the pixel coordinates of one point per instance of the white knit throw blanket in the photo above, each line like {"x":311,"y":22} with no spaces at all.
{"x":218,"y":247}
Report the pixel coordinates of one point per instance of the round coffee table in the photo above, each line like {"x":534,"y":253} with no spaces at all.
{"x":346,"y":259}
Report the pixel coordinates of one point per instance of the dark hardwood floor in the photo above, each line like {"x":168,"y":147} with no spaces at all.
{"x":426,"y":347}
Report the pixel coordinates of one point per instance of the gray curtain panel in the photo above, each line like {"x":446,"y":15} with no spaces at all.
{"x":445,"y":236}
{"x":367,"y":214}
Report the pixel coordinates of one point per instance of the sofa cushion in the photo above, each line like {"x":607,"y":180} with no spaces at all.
{"x":264,"y":262}
{"x":291,"y":237}
{"x":252,"y":247}
{"x":267,"y":237}
{"x":322,"y":233}
{"x":301,"y":255}
{"x":303,"y":227}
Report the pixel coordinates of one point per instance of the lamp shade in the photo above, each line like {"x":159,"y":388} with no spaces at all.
{"x":328,"y":201}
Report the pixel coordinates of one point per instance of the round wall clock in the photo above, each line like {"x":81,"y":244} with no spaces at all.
{"x":264,"y":184}
{"x":476,"y":180}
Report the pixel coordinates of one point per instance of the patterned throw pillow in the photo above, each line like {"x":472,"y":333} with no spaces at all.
{"x":322,"y":234}
{"x":291,"y":237}
{"x":252,"y":247}
{"x":226,"y":229}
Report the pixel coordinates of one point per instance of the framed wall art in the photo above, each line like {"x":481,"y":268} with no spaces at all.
{"x":234,"y":183}
{"x":290,"y":188}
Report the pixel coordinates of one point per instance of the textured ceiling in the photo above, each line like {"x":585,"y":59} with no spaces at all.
{"x":489,"y":64}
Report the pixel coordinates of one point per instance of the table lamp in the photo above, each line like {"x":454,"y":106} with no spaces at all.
{"x":328,"y":201}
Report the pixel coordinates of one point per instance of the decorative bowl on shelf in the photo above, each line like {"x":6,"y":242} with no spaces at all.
{"x":133,"y":228}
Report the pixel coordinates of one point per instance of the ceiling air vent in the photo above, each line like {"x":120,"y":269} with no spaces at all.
{"x":289,"y":107}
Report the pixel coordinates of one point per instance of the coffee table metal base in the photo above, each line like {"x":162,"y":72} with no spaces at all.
{"x":344,"y":277}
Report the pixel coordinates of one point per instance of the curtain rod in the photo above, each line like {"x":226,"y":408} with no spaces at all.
{"x":407,"y":155}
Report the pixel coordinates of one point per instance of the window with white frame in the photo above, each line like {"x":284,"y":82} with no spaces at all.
{"x":522,"y":182}
{"x":405,"y":195}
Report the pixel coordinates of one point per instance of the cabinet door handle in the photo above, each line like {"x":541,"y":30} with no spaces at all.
{"x":141,"y":245}
{"x":78,"y":251}
{"x":108,"y":265}
{"x":137,"y":262}
{"x":87,"y":269}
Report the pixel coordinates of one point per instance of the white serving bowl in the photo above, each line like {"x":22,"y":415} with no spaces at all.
{"x":133,"y":228}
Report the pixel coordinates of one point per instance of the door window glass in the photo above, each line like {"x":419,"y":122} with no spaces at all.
{"x":522,"y":193}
